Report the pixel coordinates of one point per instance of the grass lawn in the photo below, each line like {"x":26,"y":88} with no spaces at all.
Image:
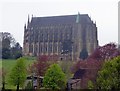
{"x":8,"y":64}
{"x":0,"y":63}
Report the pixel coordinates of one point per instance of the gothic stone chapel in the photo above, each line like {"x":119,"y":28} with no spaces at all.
{"x":70,"y":36}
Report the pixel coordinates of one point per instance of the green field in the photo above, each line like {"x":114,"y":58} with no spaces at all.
{"x":0,"y":64}
{"x":8,"y":64}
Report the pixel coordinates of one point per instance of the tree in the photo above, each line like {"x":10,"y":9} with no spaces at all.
{"x":7,"y":40}
{"x":66,"y":68}
{"x":3,"y":78}
{"x":18,"y":73}
{"x":83,"y":54}
{"x":109,"y":76}
{"x":16,"y":51}
{"x":90,"y":67}
{"x":10,"y":49}
{"x":40,"y":66}
{"x":6,"y":53}
{"x":95,"y":61}
{"x":54,"y":78}
{"x":105,"y":52}
{"x":90,"y":85}
{"x":29,"y":85}
{"x":3,"y":73}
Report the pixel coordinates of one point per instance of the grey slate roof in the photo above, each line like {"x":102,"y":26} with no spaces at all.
{"x":79,"y":74}
{"x":67,"y":19}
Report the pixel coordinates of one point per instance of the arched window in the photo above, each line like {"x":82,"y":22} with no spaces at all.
{"x":51,"y":36}
{"x":45,"y":48}
{"x":31,"y":48}
{"x":55,"y":48}
{"x":50,"y":48}
{"x":55,"y":36}
{"x":46,"y":36}
{"x":40,"y":49}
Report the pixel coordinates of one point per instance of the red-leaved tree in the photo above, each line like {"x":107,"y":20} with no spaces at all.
{"x":41,"y":65}
{"x":105,"y":52}
{"x":94,"y":63}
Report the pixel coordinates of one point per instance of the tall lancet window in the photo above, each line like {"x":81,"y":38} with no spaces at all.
{"x":51,"y":36}
{"x":46,"y":36}
{"x":55,"y":36}
{"x":41,"y":36}
{"x":50,"y":48}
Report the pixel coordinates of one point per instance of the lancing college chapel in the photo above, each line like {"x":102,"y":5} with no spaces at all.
{"x":70,"y":36}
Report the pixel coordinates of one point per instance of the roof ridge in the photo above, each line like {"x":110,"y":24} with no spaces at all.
{"x":60,"y":16}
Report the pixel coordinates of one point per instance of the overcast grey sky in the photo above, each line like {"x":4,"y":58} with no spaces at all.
{"x":14,"y":14}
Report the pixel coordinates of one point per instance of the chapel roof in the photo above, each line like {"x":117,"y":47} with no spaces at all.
{"x":64,"y":19}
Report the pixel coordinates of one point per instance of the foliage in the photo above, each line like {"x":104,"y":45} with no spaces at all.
{"x":8,"y":65}
{"x":105,"y":52}
{"x":83,"y":54}
{"x":66,"y":68}
{"x":16,"y":51}
{"x":109,"y":76}
{"x":3,"y":78}
{"x":54,"y":78}
{"x":3,"y":73}
{"x":18,"y":73}
{"x":91,"y":67}
{"x":94,"y":62}
{"x":87,"y":64}
{"x":7,"y":40}
{"x":53,"y":57}
{"x":29,"y":85}
{"x":41,"y":65}
{"x":10,"y":49}
{"x":90,"y":85}
{"x":5,"y":53}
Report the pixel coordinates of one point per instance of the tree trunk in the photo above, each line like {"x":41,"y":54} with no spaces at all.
{"x":18,"y":87}
{"x":3,"y":83}
{"x":3,"y":88}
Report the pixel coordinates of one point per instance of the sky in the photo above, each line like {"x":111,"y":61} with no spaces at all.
{"x":14,"y":15}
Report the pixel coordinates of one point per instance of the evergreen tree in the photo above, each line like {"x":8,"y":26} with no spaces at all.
{"x":83,"y":54}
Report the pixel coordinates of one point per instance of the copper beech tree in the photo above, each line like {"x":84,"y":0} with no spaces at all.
{"x":105,"y":52}
{"x":94,"y":63}
{"x":41,"y":65}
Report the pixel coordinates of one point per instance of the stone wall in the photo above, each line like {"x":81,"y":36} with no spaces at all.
{"x":60,"y":39}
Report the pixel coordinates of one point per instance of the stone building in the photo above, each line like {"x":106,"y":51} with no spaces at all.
{"x":66,"y":36}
